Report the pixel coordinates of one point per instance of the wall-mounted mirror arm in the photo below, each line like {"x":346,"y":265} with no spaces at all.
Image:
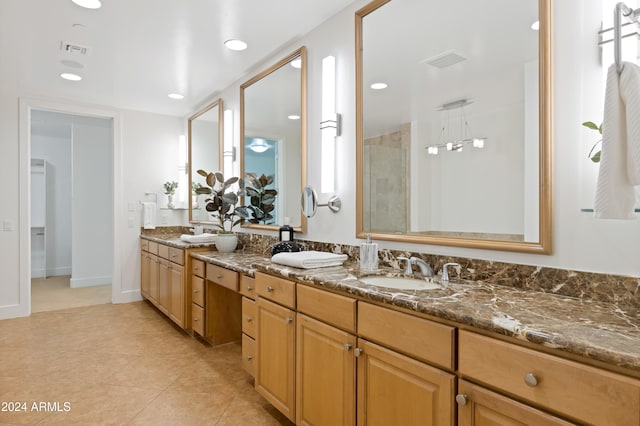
{"x":309,"y":202}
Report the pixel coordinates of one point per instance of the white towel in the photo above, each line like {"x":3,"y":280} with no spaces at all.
{"x":309,"y":259}
{"x":620,"y":158}
{"x":148,"y":215}
{"x":200,"y":238}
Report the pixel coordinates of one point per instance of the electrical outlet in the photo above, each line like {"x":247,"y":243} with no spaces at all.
{"x":7,"y":225}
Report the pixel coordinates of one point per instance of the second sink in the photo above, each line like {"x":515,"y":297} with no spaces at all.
{"x":400,"y":283}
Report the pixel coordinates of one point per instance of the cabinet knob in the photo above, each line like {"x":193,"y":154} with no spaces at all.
{"x":249,"y":288}
{"x":249,"y":319}
{"x":531,"y":380}
{"x":196,"y":319}
{"x":249,"y":357}
{"x":196,"y":291}
{"x":462,"y":399}
{"x":218,"y":276}
{"x":288,"y":320}
{"x":358,"y":351}
{"x":347,"y":347}
{"x":270,"y":289}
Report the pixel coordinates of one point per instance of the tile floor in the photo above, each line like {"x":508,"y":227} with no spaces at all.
{"x":121,"y":365}
{"x":54,"y":293}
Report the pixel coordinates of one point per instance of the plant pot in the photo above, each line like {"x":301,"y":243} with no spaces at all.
{"x":226,"y":243}
{"x":194,"y":202}
{"x":170,"y":204}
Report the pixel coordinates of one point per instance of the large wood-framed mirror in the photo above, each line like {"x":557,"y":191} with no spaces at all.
{"x":205,"y":152}
{"x":454,"y":141}
{"x":273,"y":133}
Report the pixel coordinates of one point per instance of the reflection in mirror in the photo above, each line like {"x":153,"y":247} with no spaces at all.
{"x":453,"y":131}
{"x":273,"y":131}
{"x":205,"y":152}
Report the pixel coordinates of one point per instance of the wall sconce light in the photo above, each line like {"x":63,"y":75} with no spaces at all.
{"x":329,"y":126}
{"x":464,"y":137}
{"x":183,"y":169}
{"x":228,"y":150}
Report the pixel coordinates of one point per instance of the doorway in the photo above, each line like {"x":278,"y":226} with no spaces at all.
{"x":71,"y":210}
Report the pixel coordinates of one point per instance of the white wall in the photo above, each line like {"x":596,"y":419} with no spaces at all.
{"x":57,"y":152}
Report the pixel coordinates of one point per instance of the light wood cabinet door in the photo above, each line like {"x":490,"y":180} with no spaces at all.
{"x":325,"y":374}
{"x":275,"y":352}
{"x":397,"y":390}
{"x":154,"y":279}
{"x":145,"y":266}
{"x":176,"y":288}
{"x":164,"y":279}
{"x":478,"y":406}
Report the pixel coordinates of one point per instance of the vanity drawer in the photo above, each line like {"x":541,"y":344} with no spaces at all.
{"x":198,"y":268}
{"x":248,"y":354}
{"x":176,"y":255}
{"x":144,"y":245}
{"x":153,"y":247}
{"x":222,"y":276}
{"x":582,"y":392}
{"x":249,"y":317}
{"x":163,"y":251}
{"x":417,"y":337}
{"x":197,"y":319}
{"x":328,"y":307}
{"x":277,"y":289}
{"x":248,"y":286}
{"x":197,"y":291}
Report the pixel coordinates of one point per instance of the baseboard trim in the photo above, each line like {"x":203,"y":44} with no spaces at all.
{"x":90,"y":282}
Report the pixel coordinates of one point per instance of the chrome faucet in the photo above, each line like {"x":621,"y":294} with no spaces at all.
{"x":425,"y":269}
{"x":445,"y":272}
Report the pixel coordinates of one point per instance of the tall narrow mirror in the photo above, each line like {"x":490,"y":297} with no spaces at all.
{"x":454,"y":123}
{"x":205,"y":152}
{"x":273,"y":134}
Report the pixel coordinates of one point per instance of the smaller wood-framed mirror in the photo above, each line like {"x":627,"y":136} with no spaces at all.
{"x":205,"y":152}
{"x":273,"y":129}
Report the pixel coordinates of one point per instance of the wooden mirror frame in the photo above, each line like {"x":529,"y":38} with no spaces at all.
{"x":218,"y":103}
{"x":544,"y":245}
{"x":302,"y":53}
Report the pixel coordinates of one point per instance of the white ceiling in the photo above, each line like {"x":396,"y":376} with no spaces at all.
{"x":142,"y":50}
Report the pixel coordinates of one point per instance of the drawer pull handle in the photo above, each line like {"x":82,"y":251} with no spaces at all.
{"x":531,"y":380}
{"x":270,"y":289}
{"x":249,"y":319}
{"x":288,"y":320}
{"x":347,"y":347}
{"x":249,"y":357}
{"x":462,"y":399}
{"x":196,"y":291}
{"x":196,"y":319}
{"x":174,"y":255}
{"x":357,"y":351}
{"x":218,"y":276}
{"x":249,"y":288}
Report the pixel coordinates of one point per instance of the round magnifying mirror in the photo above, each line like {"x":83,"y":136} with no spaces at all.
{"x":309,"y":201}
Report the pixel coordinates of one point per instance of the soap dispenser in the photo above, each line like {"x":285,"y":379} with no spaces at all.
{"x":286,"y":231}
{"x":369,"y":255}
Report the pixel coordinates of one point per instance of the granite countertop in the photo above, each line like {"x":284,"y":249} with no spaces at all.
{"x":175,"y":241}
{"x":590,"y":329}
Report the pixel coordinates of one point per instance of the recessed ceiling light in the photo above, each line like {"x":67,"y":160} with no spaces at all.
{"x":296,"y":63}
{"x":176,"y":96}
{"x":70,"y":77}
{"x":535,"y":26}
{"x":233,"y":44}
{"x":294,"y":117}
{"x":89,"y":4}
{"x":379,"y":86}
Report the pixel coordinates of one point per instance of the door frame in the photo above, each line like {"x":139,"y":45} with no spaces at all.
{"x":118,"y":295}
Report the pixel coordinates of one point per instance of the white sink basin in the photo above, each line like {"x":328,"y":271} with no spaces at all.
{"x":400,"y":283}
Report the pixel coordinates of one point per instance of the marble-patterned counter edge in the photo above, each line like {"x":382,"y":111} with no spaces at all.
{"x":175,"y":241}
{"x":239,"y":262}
{"x":589,"y":329}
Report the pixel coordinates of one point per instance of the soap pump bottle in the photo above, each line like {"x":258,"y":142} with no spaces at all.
{"x":369,"y":255}
{"x":286,"y":232}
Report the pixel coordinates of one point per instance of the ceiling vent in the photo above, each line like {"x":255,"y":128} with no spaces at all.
{"x":445,"y":59}
{"x":74,"y":49}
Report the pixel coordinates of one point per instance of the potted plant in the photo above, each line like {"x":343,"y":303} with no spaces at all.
{"x":261,"y":199}
{"x":594,"y":156}
{"x":194,"y":194}
{"x":170,"y":190}
{"x":222,"y":203}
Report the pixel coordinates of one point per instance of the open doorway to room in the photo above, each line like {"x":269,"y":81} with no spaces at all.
{"x":71,"y":194}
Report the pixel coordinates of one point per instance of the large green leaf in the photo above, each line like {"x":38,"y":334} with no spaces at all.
{"x":251,"y":192}
{"x":219,"y":177}
{"x":590,"y":125}
{"x":203,"y":190}
{"x":268,"y":199}
{"x":202,"y":173}
{"x":230,"y":198}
